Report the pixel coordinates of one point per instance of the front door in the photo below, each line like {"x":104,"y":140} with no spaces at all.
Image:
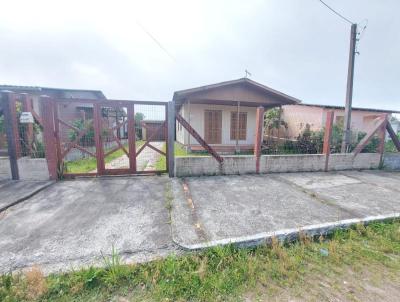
{"x":213,"y":126}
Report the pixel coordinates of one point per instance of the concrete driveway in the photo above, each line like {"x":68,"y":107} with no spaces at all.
{"x":249,"y":209}
{"x":72,"y":223}
{"x":15,"y":191}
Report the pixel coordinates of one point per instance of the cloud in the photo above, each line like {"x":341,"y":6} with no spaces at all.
{"x":298,"y":47}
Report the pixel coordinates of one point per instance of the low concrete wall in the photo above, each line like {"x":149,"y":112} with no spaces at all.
{"x":33,"y":169}
{"x":362,"y":161}
{"x":391,"y":161}
{"x":292,"y":163}
{"x":207,"y":165}
{"x":5,"y":172}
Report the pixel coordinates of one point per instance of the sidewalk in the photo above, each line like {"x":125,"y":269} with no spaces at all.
{"x":15,"y":191}
{"x":250,"y":209}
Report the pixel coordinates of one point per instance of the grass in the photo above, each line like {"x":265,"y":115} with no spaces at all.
{"x":179,"y":150}
{"x":225,"y":273}
{"x":89,"y":164}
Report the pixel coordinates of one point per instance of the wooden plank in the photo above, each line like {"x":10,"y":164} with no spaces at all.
{"x":327,"y":137}
{"x":131,"y":138}
{"x":154,"y":134}
{"x":377,"y":126}
{"x":393,"y":136}
{"x":259,"y":136}
{"x":197,"y":136}
{"x":50,"y":142}
{"x":171,"y":120}
{"x":9,"y":128}
{"x":155,"y":149}
{"x":97,"y":139}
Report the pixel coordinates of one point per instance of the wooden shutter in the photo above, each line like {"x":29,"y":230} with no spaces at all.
{"x":242,"y":126}
{"x":213,"y":126}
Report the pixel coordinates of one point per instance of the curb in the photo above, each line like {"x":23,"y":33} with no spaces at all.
{"x":288,"y":234}
{"x":27,"y":196}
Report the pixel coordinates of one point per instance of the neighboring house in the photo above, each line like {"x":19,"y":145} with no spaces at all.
{"x":299,"y":116}
{"x":213,"y":112}
{"x":71,"y":111}
{"x":68,"y":112}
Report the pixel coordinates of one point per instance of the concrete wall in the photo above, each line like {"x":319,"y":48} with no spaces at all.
{"x":207,"y":165}
{"x":5,"y":172}
{"x":28,"y":168}
{"x":292,"y":163}
{"x":33,"y":169}
{"x":391,"y":161}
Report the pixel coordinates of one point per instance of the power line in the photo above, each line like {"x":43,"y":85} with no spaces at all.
{"x":155,"y":40}
{"x":341,"y":16}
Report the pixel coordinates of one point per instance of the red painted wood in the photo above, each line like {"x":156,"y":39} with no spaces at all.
{"x":97,"y":139}
{"x":131,"y":138}
{"x":197,"y":136}
{"x":49,"y":136}
{"x":259,"y":136}
{"x":379,"y":123}
{"x":327,"y":137}
{"x":393,"y":136}
{"x":14,"y":120}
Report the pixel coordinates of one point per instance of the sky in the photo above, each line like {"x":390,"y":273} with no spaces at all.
{"x":146,"y":50}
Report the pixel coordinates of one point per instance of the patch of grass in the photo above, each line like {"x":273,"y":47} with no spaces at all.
{"x":89,"y":164}
{"x":220,"y":273}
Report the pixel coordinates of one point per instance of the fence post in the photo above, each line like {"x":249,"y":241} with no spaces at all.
{"x":171,"y":138}
{"x":10,"y":132}
{"x":327,"y":138}
{"x":381,"y":137}
{"x":259,"y":136}
{"x":50,"y":141}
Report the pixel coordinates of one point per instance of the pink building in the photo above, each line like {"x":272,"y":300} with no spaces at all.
{"x":299,"y":116}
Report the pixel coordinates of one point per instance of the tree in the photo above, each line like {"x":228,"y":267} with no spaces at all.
{"x":273,"y":120}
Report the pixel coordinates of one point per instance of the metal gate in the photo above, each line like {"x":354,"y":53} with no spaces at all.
{"x":107,"y":137}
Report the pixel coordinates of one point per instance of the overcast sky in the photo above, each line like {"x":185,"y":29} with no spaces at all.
{"x":297,"y":47}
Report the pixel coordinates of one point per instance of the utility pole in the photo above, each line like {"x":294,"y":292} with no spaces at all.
{"x":349,"y":91}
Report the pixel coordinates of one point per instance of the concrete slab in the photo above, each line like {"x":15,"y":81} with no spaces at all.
{"x":72,"y":223}
{"x":244,"y":209}
{"x":360,"y":193}
{"x":13,"y":192}
{"x":237,"y":206}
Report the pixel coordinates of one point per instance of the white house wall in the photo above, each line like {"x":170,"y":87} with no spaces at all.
{"x":197,"y":122}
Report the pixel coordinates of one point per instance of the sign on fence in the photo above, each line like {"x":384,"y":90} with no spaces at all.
{"x":26,"y":118}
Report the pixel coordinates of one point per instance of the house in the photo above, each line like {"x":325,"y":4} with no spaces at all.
{"x":224,"y":114}
{"x":67,"y":111}
{"x":70,"y":112}
{"x":300,"y":116}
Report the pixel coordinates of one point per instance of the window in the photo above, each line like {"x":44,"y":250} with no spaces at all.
{"x":212,"y":126}
{"x":242,"y":126}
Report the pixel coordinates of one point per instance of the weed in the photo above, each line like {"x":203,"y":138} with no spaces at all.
{"x":220,"y":273}
{"x":36,"y":284}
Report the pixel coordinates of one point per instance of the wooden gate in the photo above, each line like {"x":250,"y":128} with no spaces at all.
{"x":106,"y":137}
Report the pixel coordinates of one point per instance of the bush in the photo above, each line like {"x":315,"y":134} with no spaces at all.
{"x":88,"y":138}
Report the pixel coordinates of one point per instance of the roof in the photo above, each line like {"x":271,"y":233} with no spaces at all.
{"x":57,"y":92}
{"x":182,"y":94}
{"x":353,"y":108}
